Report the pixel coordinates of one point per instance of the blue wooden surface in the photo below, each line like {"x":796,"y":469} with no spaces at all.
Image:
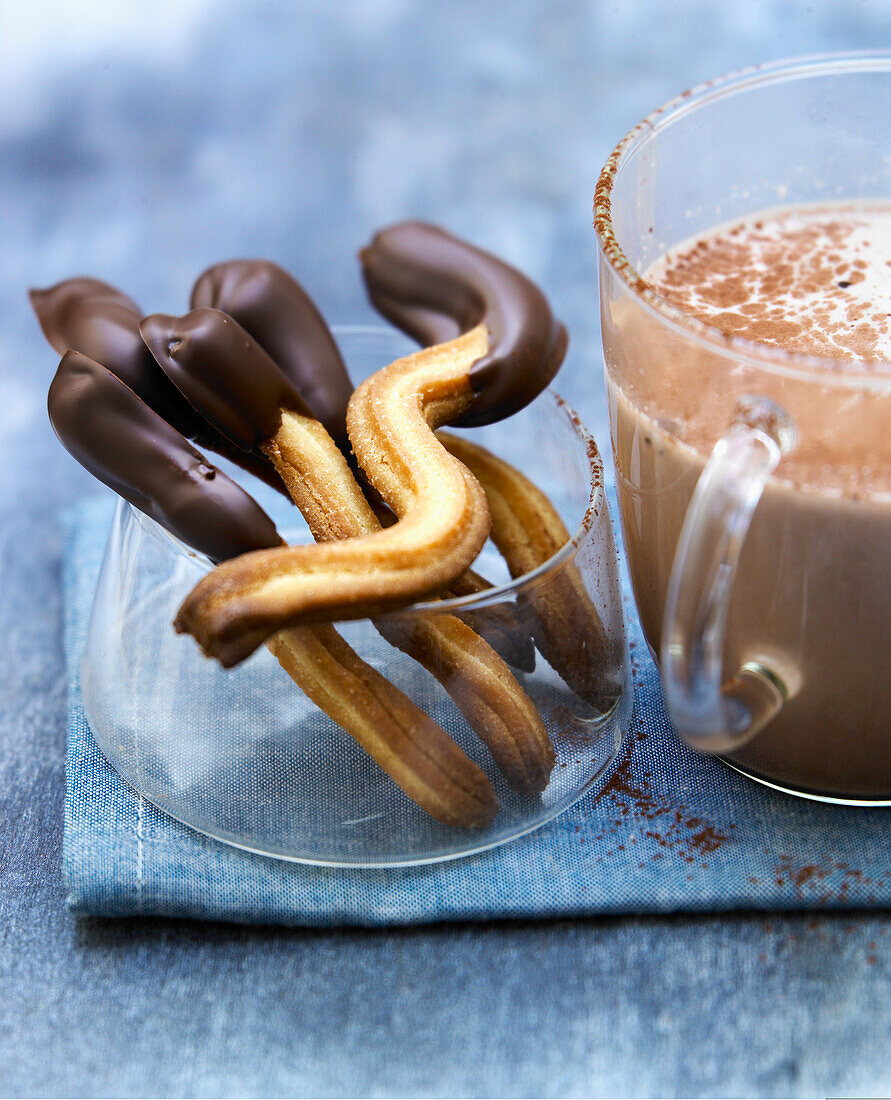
{"x":142,"y":142}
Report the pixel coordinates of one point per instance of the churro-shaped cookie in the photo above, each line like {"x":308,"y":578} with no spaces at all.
{"x":432,"y":285}
{"x":126,"y":445}
{"x":229,"y":381}
{"x":443,"y":517}
{"x":528,"y":531}
{"x":129,"y":447}
{"x":272,"y":307}
{"x":435,"y":286}
{"x":278,"y":313}
{"x":477,"y":679}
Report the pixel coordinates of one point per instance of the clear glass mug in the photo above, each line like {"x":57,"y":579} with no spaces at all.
{"x":760,"y":566}
{"x":242,"y":755}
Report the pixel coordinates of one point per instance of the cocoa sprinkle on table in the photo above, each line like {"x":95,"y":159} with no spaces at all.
{"x":676,"y":830}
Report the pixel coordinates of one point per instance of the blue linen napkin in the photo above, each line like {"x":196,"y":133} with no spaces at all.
{"x":667,"y":830}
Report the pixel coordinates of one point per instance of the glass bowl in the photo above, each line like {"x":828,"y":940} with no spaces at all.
{"x":243,"y":756}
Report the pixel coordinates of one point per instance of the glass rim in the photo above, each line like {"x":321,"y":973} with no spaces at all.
{"x":819,"y":369}
{"x":453,"y":604}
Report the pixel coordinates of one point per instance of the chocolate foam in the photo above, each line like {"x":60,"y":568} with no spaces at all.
{"x":272,"y":306}
{"x":223,"y":373}
{"x":128,"y":446}
{"x":434,"y":287}
{"x":812,"y":281}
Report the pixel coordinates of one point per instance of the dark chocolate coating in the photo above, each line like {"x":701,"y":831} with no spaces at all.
{"x":223,"y":373}
{"x":272,"y":306}
{"x":129,"y":447}
{"x":91,"y":317}
{"x":434,"y":287}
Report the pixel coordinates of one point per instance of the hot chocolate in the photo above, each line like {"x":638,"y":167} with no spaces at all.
{"x":812,"y":598}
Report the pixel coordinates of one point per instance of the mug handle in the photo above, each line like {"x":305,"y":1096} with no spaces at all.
{"x":710,"y":715}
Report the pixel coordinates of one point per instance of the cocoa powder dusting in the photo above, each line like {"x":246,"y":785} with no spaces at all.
{"x":809,"y":281}
{"x":826,"y":882}
{"x":672,"y":827}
